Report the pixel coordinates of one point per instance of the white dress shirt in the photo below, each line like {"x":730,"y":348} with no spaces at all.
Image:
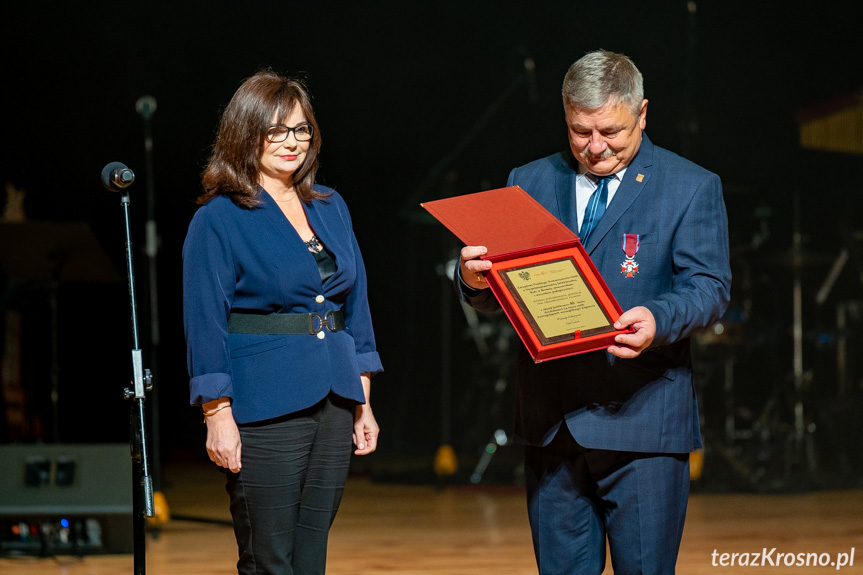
{"x":585,"y":185}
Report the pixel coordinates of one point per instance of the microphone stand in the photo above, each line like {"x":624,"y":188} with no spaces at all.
{"x":142,"y":484}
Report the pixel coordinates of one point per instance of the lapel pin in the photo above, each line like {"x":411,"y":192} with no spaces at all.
{"x":639,"y":178}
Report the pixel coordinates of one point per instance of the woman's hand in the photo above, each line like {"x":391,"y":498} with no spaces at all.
{"x":366,"y":429}
{"x":223,"y":440}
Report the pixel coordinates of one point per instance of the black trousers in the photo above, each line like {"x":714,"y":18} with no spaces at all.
{"x":284,"y":499}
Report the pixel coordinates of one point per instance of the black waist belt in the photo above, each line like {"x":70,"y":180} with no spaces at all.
{"x":286,"y":323}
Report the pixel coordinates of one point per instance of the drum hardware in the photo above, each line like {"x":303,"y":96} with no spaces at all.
{"x":781,"y":439}
{"x":494,"y":339}
{"x":842,"y":308}
{"x":499,"y":341}
{"x":732,"y":433}
{"x":799,"y":446}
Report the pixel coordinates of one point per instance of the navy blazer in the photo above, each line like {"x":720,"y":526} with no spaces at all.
{"x":253,"y":261}
{"x":645,"y":404}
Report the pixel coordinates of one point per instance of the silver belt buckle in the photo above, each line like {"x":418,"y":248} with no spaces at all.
{"x":327,"y":322}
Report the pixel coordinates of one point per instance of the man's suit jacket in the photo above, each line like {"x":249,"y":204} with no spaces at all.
{"x":646,"y":404}
{"x":253,"y":261}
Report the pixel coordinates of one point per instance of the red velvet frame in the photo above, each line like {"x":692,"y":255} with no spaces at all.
{"x":538,"y":351}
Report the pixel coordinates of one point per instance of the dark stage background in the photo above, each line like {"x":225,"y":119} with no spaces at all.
{"x":419,"y":101}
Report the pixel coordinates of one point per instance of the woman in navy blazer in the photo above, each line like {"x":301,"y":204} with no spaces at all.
{"x":279,"y":334}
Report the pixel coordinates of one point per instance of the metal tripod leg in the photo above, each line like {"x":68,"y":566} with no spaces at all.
{"x":498,"y":439}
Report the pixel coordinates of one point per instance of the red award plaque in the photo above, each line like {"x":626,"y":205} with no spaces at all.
{"x":544,"y":280}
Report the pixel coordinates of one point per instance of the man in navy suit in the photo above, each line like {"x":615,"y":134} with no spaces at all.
{"x":608,"y":433}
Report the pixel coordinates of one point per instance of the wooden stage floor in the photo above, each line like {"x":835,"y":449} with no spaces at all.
{"x":460,"y":530}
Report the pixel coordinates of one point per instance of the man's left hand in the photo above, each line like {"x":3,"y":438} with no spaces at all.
{"x":631,"y":345}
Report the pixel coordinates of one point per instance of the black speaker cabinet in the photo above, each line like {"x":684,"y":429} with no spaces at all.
{"x":65,"y":499}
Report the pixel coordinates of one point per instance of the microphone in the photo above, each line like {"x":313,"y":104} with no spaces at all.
{"x":116,"y":177}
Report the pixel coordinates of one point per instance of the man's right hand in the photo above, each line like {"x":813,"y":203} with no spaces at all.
{"x":471,"y":268}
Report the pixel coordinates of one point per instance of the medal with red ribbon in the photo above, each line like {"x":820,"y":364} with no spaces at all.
{"x":629,"y":267}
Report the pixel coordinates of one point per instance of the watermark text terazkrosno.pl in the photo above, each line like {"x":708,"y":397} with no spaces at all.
{"x":774,"y":558}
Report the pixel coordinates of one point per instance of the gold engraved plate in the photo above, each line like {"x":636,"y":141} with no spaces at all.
{"x":556,"y":300}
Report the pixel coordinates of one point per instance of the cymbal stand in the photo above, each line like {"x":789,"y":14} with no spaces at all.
{"x":800,"y":437}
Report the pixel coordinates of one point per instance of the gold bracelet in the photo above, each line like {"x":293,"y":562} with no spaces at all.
{"x":215,"y":411}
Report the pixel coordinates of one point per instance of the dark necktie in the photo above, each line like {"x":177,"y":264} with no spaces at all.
{"x":595,"y":209}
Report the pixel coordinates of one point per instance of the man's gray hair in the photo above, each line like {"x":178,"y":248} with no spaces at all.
{"x":601,"y":78}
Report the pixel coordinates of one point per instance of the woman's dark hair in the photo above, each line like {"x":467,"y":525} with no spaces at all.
{"x":233,"y":168}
